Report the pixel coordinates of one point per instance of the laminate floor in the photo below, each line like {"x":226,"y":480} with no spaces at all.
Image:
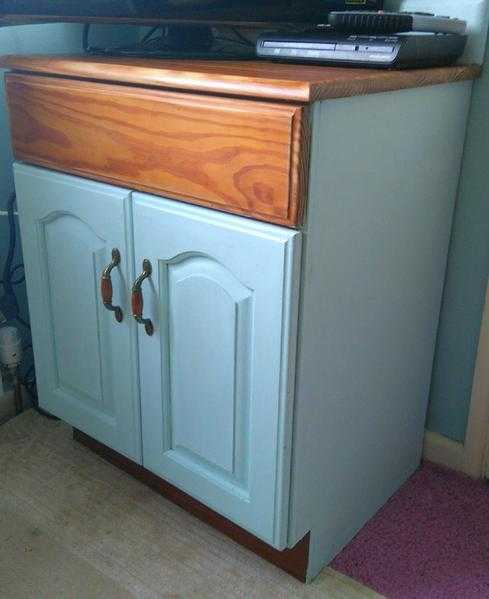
{"x":74,"y":527}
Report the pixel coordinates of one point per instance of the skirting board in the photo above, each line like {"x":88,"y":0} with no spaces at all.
{"x":444,"y":451}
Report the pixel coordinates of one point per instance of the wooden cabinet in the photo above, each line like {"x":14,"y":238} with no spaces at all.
{"x":276,"y":380}
{"x":216,"y":375}
{"x":85,"y":359}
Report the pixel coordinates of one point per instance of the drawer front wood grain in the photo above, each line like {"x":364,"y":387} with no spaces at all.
{"x":239,"y":156}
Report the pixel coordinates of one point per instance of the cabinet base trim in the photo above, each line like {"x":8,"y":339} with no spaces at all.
{"x":293,"y":561}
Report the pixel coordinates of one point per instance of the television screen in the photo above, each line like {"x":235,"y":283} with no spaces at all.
{"x":251,"y":11}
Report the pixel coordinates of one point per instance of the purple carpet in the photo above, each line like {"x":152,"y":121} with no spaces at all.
{"x":431,"y":540}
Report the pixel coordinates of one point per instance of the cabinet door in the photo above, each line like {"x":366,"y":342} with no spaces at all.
{"x":86,"y":361}
{"x":217,"y":373}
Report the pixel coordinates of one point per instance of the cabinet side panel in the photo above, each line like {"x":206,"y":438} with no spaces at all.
{"x":384,"y":179}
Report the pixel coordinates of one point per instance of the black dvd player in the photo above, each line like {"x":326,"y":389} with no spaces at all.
{"x":400,"y":51}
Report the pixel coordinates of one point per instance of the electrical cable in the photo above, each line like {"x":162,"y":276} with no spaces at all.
{"x":152,"y":46}
{"x":243,"y":38}
{"x":12,"y":272}
{"x":150,"y":33}
{"x":7,"y":270}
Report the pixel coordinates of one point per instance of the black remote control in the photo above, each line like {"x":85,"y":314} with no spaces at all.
{"x":385,"y":23}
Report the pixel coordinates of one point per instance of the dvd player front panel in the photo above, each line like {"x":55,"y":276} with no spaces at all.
{"x":371,"y":52}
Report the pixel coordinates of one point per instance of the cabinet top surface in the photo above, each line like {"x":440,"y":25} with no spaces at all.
{"x":252,"y":79}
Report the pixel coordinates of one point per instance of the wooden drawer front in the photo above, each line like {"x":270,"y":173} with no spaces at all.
{"x":235,"y":155}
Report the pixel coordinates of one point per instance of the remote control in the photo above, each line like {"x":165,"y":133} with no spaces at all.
{"x":393,"y":22}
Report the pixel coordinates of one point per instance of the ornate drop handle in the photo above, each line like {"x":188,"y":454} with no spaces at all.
{"x":106,"y":286}
{"x":137,"y":299}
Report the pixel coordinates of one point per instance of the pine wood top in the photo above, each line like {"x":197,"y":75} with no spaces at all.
{"x":252,"y":79}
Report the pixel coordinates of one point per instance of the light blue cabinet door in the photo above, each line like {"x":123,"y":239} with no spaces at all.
{"x":217,"y":374}
{"x":86,"y":361}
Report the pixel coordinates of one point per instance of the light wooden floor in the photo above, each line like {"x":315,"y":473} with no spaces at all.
{"x":72,"y":526}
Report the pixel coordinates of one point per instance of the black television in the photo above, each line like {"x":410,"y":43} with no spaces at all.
{"x":237,"y":12}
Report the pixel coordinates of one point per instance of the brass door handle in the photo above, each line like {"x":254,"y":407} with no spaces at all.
{"x":106,"y":286}
{"x":137,"y":298}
